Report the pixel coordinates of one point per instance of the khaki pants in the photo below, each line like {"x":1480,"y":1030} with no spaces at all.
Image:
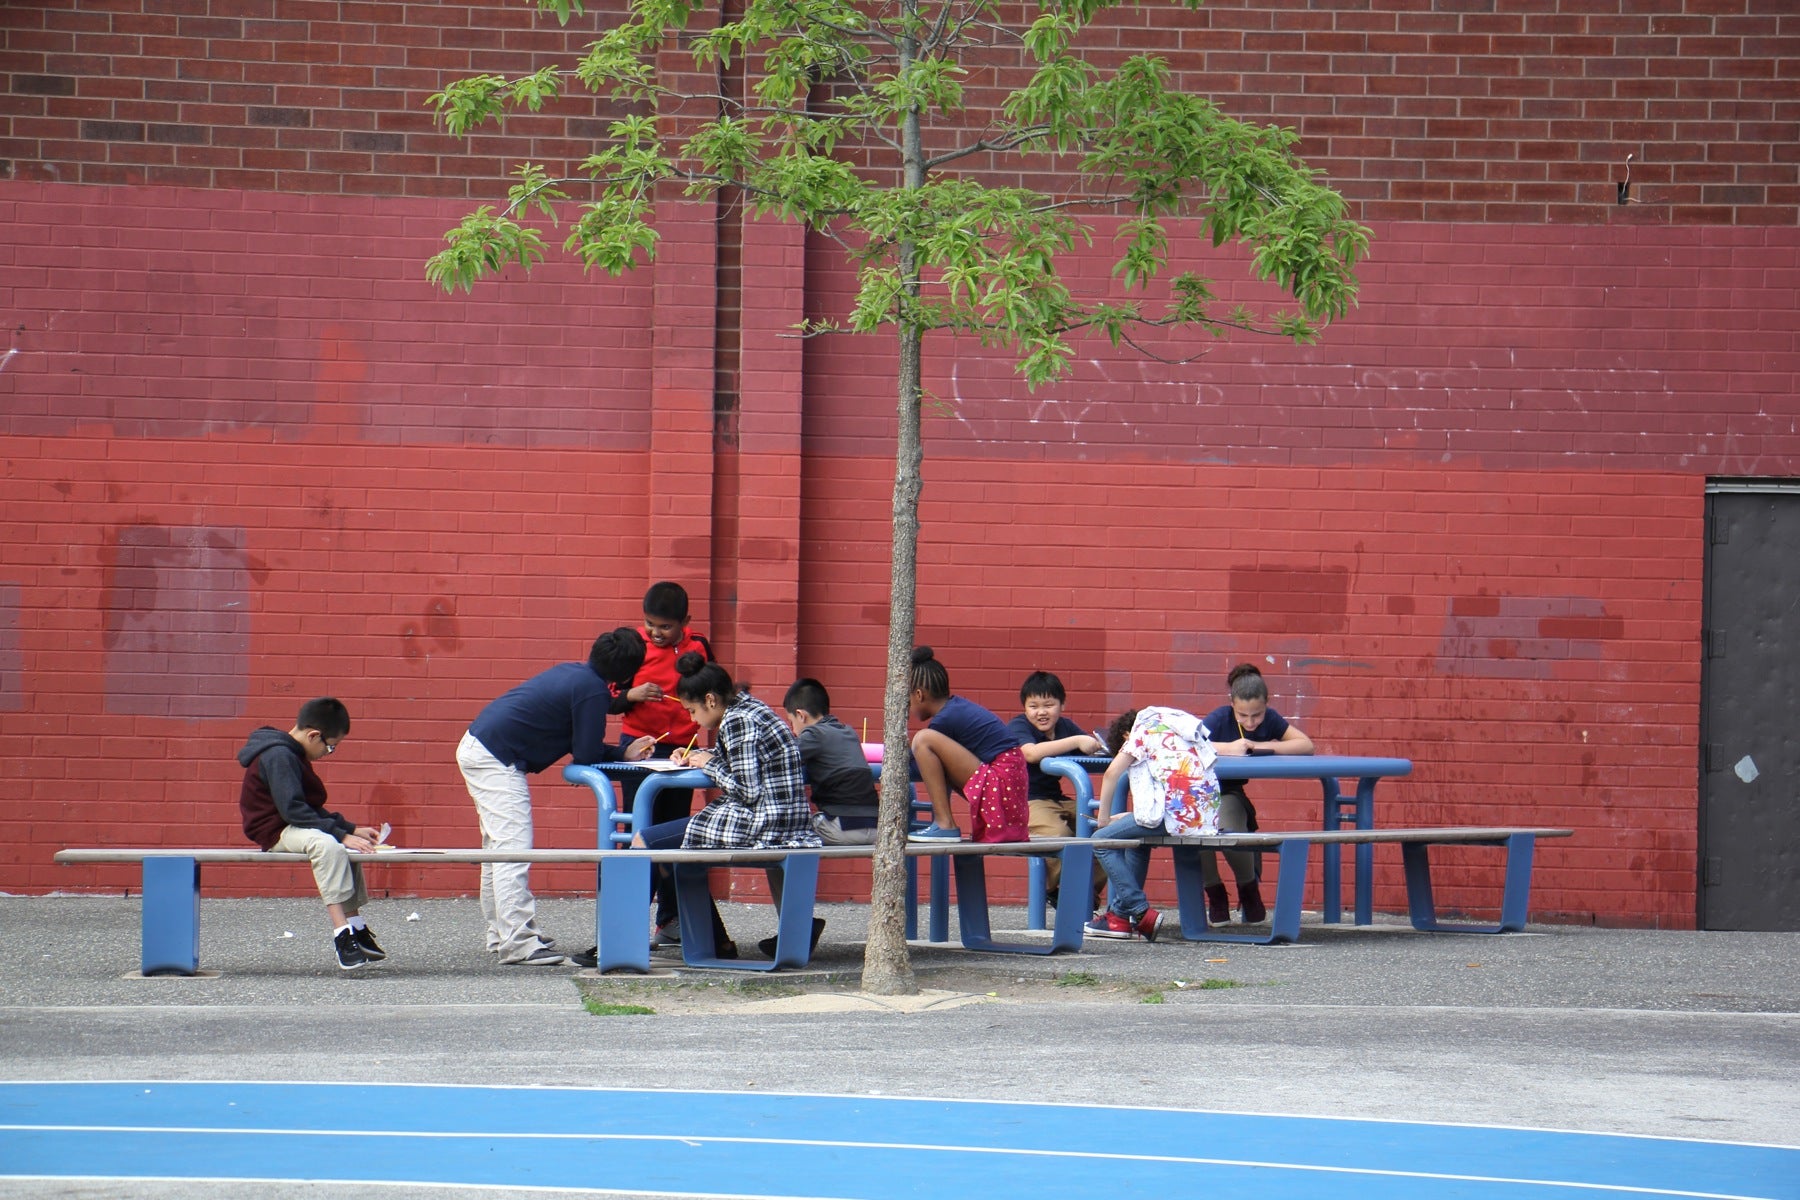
{"x":340,"y":880}
{"x":503,"y":803}
{"x":1232,"y":819}
{"x":1053,"y":819}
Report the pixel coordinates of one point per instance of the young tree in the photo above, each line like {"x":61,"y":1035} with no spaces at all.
{"x":855,"y":123}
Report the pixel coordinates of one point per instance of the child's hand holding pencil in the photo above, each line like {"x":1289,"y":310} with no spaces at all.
{"x":686,"y":756}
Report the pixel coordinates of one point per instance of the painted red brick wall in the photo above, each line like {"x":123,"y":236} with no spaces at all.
{"x":1465,"y":529}
{"x":251,"y":456}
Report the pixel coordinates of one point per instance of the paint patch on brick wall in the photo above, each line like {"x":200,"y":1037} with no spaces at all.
{"x":177,"y":622}
{"x":1521,"y":637}
{"x":12,"y":658}
{"x":1289,"y":600}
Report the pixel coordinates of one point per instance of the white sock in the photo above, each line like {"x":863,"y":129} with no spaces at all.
{"x":345,"y":929}
{"x":357,"y":922}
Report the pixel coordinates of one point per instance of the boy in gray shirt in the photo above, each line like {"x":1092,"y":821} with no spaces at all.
{"x":843,"y":787}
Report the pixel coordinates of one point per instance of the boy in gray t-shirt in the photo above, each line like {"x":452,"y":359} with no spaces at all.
{"x":843,"y":787}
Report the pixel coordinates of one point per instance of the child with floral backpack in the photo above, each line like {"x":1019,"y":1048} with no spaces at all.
{"x":1167,"y":757}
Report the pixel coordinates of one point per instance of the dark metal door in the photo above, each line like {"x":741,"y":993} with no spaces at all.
{"x":1750,"y":711}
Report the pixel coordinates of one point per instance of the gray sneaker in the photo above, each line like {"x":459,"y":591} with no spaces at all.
{"x":543,"y":956}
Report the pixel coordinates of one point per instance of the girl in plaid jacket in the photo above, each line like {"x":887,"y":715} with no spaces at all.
{"x":755,"y":766}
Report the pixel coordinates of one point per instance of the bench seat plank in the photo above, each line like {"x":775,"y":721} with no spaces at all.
{"x":170,"y":940}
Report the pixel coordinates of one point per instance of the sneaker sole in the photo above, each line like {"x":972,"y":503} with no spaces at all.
{"x":1110,"y":933}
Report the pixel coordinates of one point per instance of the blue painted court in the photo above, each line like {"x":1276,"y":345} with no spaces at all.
{"x":756,"y":1145}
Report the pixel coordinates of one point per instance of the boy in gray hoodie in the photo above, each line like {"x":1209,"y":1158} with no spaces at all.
{"x":283,"y":807}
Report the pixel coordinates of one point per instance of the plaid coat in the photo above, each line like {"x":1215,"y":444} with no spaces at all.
{"x":762,"y":785}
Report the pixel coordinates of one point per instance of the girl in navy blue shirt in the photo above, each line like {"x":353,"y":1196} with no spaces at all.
{"x":965,"y":748}
{"x":1247,"y":725}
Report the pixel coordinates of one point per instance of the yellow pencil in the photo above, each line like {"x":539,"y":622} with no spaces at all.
{"x":659,"y":737}
{"x":690,"y":745}
{"x":865,"y":729}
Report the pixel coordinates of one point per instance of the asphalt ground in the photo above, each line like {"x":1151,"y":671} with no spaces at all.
{"x":1663,"y":1034}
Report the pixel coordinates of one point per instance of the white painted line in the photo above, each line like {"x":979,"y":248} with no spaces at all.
{"x":923,"y":1147}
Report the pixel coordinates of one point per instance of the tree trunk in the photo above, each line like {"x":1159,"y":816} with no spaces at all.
{"x":887,"y":967}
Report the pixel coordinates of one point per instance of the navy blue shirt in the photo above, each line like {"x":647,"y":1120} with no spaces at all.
{"x":973,"y":728}
{"x":1221,"y":726}
{"x":1044,"y":786}
{"x":557,"y":712}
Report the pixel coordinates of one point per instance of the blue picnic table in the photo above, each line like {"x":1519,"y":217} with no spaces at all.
{"x":1355,"y":811}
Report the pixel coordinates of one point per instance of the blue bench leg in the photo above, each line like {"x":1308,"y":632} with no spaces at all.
{"x":622,"y":917}
{"x":171,"y":916}
{"x":799,"y":896}
{"x":1515,"y":900}
{"x":972,"y":905}
{"x":793,"y":937}
{"x":1284,"y":918}
{"x":1072,"y":919}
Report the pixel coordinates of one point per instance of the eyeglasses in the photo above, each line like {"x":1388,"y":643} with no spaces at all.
{"x":330,"y":747}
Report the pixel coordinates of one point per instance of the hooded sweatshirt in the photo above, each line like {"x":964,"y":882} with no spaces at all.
{"x":281,"y":788}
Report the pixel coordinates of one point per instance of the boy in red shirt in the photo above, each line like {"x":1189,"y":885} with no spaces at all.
{"x":650,"y":709}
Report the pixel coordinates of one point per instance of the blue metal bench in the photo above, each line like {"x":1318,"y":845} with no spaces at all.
{"x":170,"y":941}
{"x":1293,"y":850}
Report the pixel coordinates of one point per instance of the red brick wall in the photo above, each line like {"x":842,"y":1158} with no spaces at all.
{"x":251,"y":456}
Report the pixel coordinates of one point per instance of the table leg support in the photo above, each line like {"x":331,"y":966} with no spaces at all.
{"x":912,"y":898}
{"x":1365,"y":853}
{"x":1037,"y":891}
{"x":171,"y":916}
{"x":940,"y":898}
{"x":1331,"y":905}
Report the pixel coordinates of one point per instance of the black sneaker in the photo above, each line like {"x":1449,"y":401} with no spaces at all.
{"x":767,"y":945}
{"x":365,"y":941}
{"x":589,"y":958}
{"x":349,"y":955}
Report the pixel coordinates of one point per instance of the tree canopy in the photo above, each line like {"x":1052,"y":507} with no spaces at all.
{"x":879,"y":125}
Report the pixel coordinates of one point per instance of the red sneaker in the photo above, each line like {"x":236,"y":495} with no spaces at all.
{"x":1110,"y":925}
{"x":1148,"y":925}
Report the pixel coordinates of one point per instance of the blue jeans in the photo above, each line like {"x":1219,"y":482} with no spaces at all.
{"x":1127,"y":869}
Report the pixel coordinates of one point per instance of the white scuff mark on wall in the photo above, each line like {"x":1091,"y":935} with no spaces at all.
{"x":1083,"y":410}
{"x":1746,"y":769}
{"x":9,"y":356}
